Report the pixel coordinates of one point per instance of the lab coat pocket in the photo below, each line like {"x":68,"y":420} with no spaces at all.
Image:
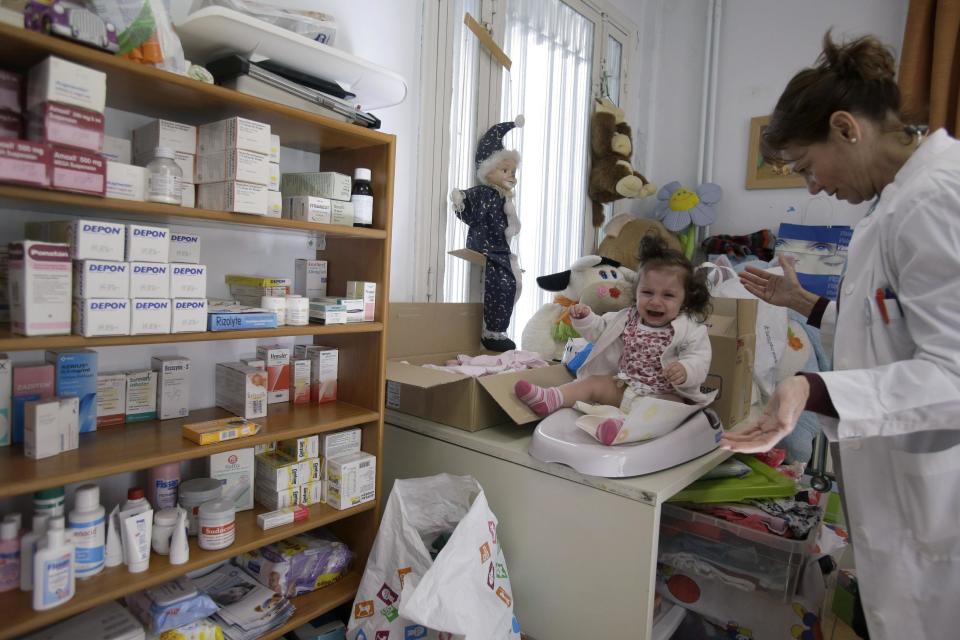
{"x":891,"y":340}
{"x":928,"y":490}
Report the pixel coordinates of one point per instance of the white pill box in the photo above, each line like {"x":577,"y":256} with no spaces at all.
{"x":366,"y":291}
{"x":173,"y":386}
{"x":323,"y":371}
{"x":235,"y":197}
{"x":141,"y":400}
{"x":148,"y":244}
{"x":92,"y":239}
{"x":149,"y":316}
{"x":39,"y":286}
{"x":235,"y":471}
{"x":340,"y":443}
{"x":311,"y":493}
{"x":351,"y":480}
{"x":341,"y":213}
{"x":277,"y":499}
{"x":274,"y":204}
{"x":300,"y":382}
{"x":188,"y":315}
{"x":94,"y":317}
{"x":188,"y":195}
{"x":149,"y":280}
{"x":164,"y":133}
{"x":328,"y":313}
{"x":184,"y":247}
{"x":274,"y":148}
{"x":111,"y":399}
{"x":241,"y":390}
{"x":41,"y":429}
{"x":234,"y":133}
{"x":126,"y":181}
{"x":57,"y":80}
{"x":273,"y":177}
{"x":234,"y":164}
{"x":188,"y":280}
{"x":101,"y":279}
{"x":300,"y":449}
{"x":117,"y":150}
{"x":277,"y":471}
{"x":310,"y":278}
{"x":308,"y":209}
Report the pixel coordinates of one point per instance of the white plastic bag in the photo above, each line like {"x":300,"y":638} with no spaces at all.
{"x":771,"y":322}
{"x":291,"y":15}
{"x":464,"y":594}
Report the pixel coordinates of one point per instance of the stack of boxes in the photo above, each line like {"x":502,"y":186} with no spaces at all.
{"x":274,"y":199}
{"x":323,"y":370}
{"x":249,"y":290}
{"x":322,"y":197}
{"x":291,"y":475}
{"x":11,"y":90}
{"x":234,"y":168}
{"x":182,"y":139}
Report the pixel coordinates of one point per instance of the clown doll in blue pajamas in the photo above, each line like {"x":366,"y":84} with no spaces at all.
{"x":489,"y":211}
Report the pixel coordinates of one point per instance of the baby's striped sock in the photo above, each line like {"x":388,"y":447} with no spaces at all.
{"x":543,"y":401}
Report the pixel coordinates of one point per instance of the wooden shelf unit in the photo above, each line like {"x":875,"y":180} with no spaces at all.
{"x":352,"y":254}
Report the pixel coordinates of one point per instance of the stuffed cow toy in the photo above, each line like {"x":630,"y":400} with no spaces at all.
{"x":600,"y":283}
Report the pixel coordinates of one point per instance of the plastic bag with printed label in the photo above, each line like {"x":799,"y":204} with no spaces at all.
{"x":144,"y":32}
{"x":464,"y":594}
{"x":292,"y":15}
{"x":771,"y":321}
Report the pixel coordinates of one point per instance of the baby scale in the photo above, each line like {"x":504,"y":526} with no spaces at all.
{"x":558,"y":439}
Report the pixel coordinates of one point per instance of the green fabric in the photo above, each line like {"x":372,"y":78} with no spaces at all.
{"x":563,"y":332}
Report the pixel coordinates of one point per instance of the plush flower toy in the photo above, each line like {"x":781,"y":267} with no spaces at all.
{"x":488,"y":209}
{"x":682,"y":210}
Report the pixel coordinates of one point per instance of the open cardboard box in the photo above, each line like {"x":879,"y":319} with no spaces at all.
{"x":732,"y":327}
{"x":425,"y":333}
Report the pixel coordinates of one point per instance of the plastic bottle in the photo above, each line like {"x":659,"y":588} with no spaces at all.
{"x":89,"y":531}
{"x":9,"y":556}
{"x":179,"y":548}
{"x":16,"y":518}
{"x":54,"y":582}
{"x":49,"y":501}
{"x":136,"y":502}
{"x":28,"y":547}
{"x":162,"y":484}
{"x":164,"y":177}
{"x":362,"y":198}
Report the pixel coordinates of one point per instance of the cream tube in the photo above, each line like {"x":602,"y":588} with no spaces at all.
{"x":280,"y":517}
{"x":179,"y":547}
{"x":114,"y":551}
{"x":136,"y":541}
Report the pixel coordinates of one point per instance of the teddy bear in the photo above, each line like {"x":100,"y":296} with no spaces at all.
{"x":600,"y":283}
{"x":611,"y":175}
{"x":622,"y":235}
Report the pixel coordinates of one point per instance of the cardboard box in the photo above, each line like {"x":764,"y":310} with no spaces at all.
{"x":424,"y":333}
{"x":324,"y":366}
{"x":241,"y":390}
{"x":117,"y":150}
{"x":173,"y":386}
{"x":75,"y":374}
{"x":274,"y":148}
{"x":30,"y":383}
{"x":94,"y":317}
{"x":25,"y":162}
{"x":277,"y":359}
{"x":147,"y":244}
{"x":188,"y":315}
{"x":351,"y":480}
{"x":323,"y":184}
{"x":141,"y":396}
{"x":126,"y":181}
{"x":111,"y":399}
{"x":277,"y":471}
{"x":236,"y":197}
{"x":234,"y":133}
{"x":310,"y":278}
{"x":88,"y":239}
{"x":341,"y":213}
{"x":11,"y":91}
{"x":233,"y":164}
{"x":274,"y":204}
{"x":11,"y":127}
{"x":308,"y":209}
{"x":57,"y":80}
{"x":300,"y":449}
{"x":366,"y":291}
{"x":235,"y":470}
{"x":185,"y":248}
{"x":66,"y":126}
{"x":164,"y":133}
{"x":299,"y":382}
{"x":101,"y":279}
{"x":280,"y":499}
{"x":732,"y":329}
{"x":188,"y":195}
{"x":273,"y":177}
{"x":69,"y":423}
{"x":188,"y":280}
{"x":42,"y":432}
{"x":149,"y":316}
{"x":149,"y":280}
{"x":78,"y":171}
{"x":328,"y":313}
{"x":40,"y":276}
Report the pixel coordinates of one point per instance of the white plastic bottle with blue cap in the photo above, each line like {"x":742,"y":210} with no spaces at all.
{"x":88,"y":528}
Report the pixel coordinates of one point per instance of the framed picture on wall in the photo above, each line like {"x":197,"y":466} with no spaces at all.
{"x":762,"y":174}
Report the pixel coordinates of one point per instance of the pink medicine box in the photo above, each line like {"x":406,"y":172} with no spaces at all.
{"x":25,"y":162}
{"x":78,"y":170}
{"x":66,"y":126}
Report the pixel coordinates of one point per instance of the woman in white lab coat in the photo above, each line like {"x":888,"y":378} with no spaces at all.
{"x":893,"y":401}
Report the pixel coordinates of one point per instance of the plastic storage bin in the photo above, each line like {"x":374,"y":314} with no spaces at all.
{"x":699,"y":543}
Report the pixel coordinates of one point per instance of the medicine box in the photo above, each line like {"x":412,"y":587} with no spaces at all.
{"x":66,"y":126}
{"x":328,"y":313}
{"x":42,"y":433}
{"x":273,"y":177}
{"x":141,"y":396}
{"x":30,"y":382}
{"x":117,"y":150}
{"x":186,"y":162}
{"x":323,"y":372}
{"x":6,"y":397}
{"x":277,"y":471}
{"x":57,"y":80}
{"x":11,"y":92}
{"x":10,"y":126}
{"x":149,"y":280}
{"x":236,"y":197}
{"x":351,"y":480}
{"x":324,"y":184}
{"x":277,"y":359}
{"x":256,"y":363}
{"x":366,"y":291}
{"x":235,"y":471}
{"x":24,"y":162}
{"x":308,"y":209}
{"x":265,"y":447}
{"x":300,"y":449}
{"x":234,"y":133}
{"x":90,"y":239}
{"x":111,"y":399}
{"x":69,"y":423}
{"x":126,"y":181}
{"x":352,"y":307}
{"x":280,"y":499}
{"x":188,"y":280}
{"x":93,"y":317}
{"x":39,"y":281}
{"x":300,"y":382}
{"x":233,"y":164}
{"x":274,"y":204}
{"x":184,"y":248}
{"x":188,"y":195}
{"x":311,"y":470}
{"x":147,"y":244}
{"x":311,"y":493}
{"x":341,"y":443}
{"x":274,"y":148}
{"x":341,"y":213}
{"x":75,"y":374}
{"x":164,"y":133}
{"x":188,"y":315}
{"x":149,"y":316}
{"x":241,"y":390}
{"x":78,"y":170}
{"x":173,"y":386}
{"x":310,"y":278}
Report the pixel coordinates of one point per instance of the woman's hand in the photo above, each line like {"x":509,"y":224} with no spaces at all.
{"x":778,"y":420}
{"x":675,"y":373}
{"x":580,"y":311}
{"x":781,"y":291}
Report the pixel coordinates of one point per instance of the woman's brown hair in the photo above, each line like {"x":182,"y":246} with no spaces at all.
{"x":857,"y":77}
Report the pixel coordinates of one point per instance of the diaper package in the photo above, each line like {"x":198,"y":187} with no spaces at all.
{"x":199,"y":630}
{"x":300,"y":564}
{"x":171,"y":605}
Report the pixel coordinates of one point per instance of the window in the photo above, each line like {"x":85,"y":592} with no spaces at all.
{"x":564,"y":53}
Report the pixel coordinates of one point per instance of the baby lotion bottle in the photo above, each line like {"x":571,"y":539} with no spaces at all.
{"x":28,"y":547}
{"x":9,"y":555}
{"x":53,"y":580}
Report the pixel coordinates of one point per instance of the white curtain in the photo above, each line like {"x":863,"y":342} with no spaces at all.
{"x":551,"y":46}
{"x":463,"y":143}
